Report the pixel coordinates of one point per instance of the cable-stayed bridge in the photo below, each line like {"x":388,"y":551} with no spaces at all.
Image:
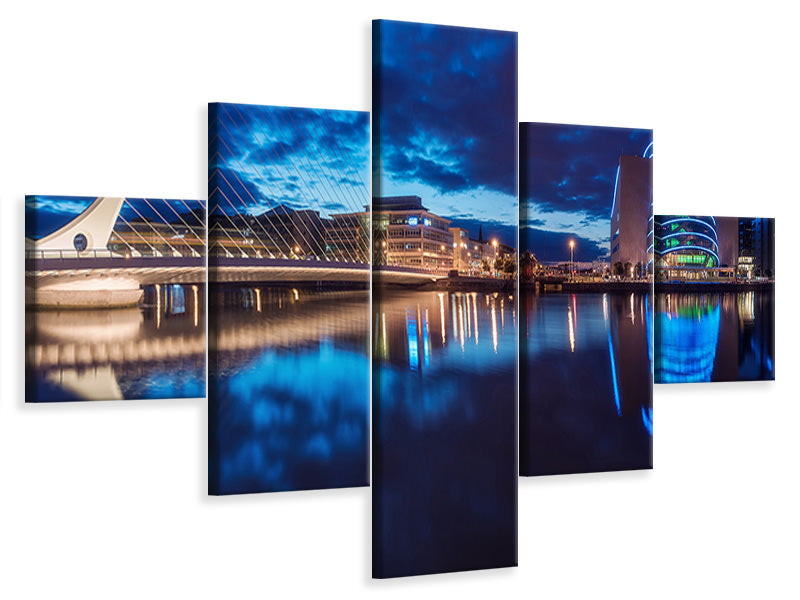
{"x":289,"y":201}
{"x":104,"y":258}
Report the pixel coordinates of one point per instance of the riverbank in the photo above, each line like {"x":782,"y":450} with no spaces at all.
{"x":588,"y":287}
{"x":452,"y":284}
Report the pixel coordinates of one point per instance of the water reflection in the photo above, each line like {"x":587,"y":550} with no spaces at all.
{"x":585,"y":383}
{"x":288,"y":389}
{"x":714,"y":337}
{"x":155,"y":351}
{"x":444,"y":381}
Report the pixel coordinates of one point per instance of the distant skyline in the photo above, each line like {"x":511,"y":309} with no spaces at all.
{"x":445,"y":102}
{"x":302,"y":158}
{"x":569,"y":186}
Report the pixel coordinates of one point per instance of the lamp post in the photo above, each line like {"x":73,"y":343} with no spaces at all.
{"x":571,"y":258}
{"x":494,"y":243}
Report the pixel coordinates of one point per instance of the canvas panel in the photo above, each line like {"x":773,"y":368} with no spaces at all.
{"x":586,"y":299}
{"x":715,"y":299}
{"x":114,"y":298}
{"x":444,"y":290}
{"x":288,"y":298}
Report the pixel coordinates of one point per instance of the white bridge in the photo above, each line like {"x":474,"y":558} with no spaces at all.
{"x":75,"y":267}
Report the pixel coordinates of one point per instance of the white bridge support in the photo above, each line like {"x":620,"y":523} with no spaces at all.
{"x":86,"y":235}
{"x":94,"y":224}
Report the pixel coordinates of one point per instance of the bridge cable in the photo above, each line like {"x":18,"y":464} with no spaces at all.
{"x":336,"y":193}
{"x":321,"y":254}
{"x":168,"y":224}
{"x":153,"y":229}
{"x":245,"y":188}
{"x":346,"y":157}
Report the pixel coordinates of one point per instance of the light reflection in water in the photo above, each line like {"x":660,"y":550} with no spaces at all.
{"x":688,"y":334}
{"x":475,"y":315}
{"x":441,"y":318}
{"x":714,"y":336}
{"x":156,"y":351}
{"x":444,"y":492}
{"x":571,"y":329}
{"x":411,"y":329}
{"x":586,"y":387}
{"x":196,"y":304}
{"x":289,"y":389}
{"x":494,"y":327}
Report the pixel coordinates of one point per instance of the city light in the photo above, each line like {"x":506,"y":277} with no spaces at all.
{"x":571,"y":257}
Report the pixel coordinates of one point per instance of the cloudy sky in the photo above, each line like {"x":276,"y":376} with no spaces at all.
{"x":46,"y":214}
{"x":567,"y":187}
{"x":445,"y":108}
{"x":299,"y":157}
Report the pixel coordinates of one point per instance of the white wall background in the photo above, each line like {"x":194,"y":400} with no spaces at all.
{"x":108,"y":500}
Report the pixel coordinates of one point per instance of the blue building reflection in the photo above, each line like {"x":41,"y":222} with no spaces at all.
{"x":714,"y":336}
{"x":688,"y":331}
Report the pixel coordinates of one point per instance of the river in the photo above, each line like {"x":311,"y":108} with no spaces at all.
{"x":586,"y":383}
{"x":715,"y":336}
{"x":444,"y":432}
{"x":153,"y":351}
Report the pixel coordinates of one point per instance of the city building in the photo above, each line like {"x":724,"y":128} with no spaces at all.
{"x":692,"y":247}
{"x":756,"y":248}
{"x":347,"y":237}
{"x":407,"y":234}
{"x":281,"y":232}
{"x":460,"y":249}
{"x":632,"y":217}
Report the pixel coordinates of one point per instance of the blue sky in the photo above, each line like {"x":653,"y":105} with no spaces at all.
{"x":567,"y":187}
{"x":299,"y":157}
{"x":445,"y":106}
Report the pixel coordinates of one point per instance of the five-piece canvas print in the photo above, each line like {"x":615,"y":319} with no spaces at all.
{"x":485,"y":299}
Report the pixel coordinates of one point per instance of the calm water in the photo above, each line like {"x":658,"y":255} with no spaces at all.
{"x":444,"y":439}
{"x":155,"y":351}
{"x":715,"y":337}
{"x":585,"y":383}
{"x":288,"y":389}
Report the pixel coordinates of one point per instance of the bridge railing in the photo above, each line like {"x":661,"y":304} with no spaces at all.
{"x":94,"y":254}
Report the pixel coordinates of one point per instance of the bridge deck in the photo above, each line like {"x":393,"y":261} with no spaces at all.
{"x":150,"y":270}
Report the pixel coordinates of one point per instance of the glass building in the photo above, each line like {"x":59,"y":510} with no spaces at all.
{"x":686,"y":247}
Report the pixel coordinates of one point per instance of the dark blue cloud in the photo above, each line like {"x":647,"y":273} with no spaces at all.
{"x":502,"y":232}
{"x":553,"y":246}
{"x":46,"y":214}
{"x":446,"y":106}
{"x":264,"y":156}
{"x":572,"y":168}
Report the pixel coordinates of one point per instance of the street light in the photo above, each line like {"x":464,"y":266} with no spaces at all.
{"x":571,"y":257}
